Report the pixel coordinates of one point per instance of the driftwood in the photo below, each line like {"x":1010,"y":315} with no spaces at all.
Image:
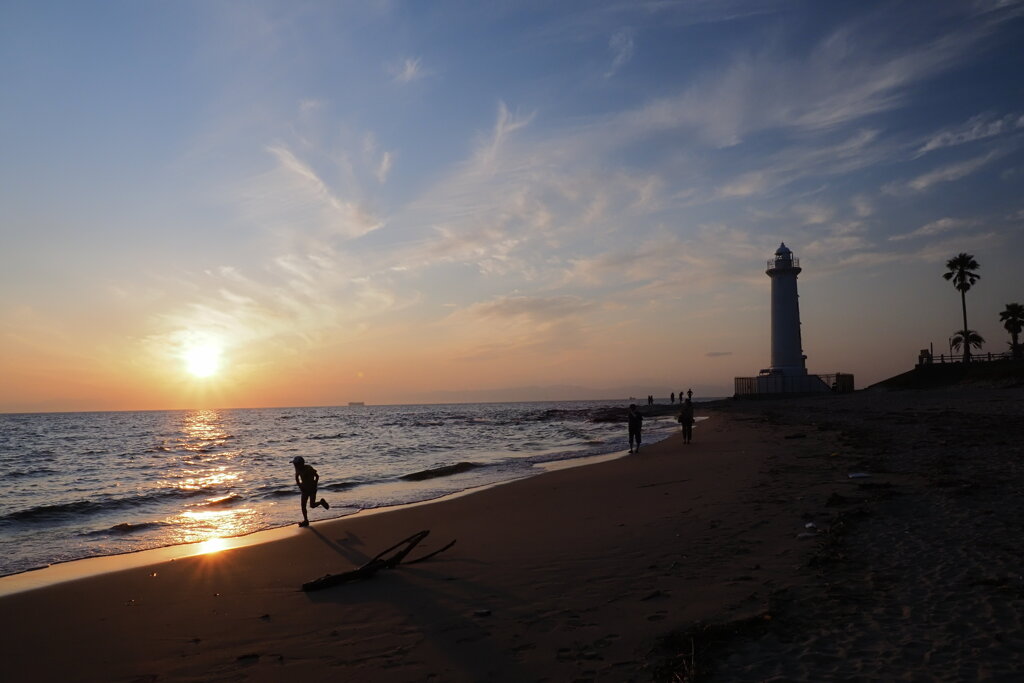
{"x":379,"y":562}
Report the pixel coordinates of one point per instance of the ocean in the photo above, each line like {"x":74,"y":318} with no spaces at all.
{"x":77,"y":485}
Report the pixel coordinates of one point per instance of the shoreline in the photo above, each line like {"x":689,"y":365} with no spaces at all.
{"x":65,"y":570}
{"x":186,"y":489}
{"x":79,"y":568}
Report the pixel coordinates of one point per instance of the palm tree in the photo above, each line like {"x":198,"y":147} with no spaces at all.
{"x":1013,"y":320}
{"x":960,"y":269}
{"x":967,"y":338}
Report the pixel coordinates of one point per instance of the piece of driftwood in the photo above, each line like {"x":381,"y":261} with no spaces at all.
{"x":379,"y":562}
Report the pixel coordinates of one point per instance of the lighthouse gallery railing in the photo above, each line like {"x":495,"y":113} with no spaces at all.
{"x":783,"y":262}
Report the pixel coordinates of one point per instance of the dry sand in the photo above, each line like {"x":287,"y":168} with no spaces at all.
{"x":682,"y":563}
{"x":919,"y":576}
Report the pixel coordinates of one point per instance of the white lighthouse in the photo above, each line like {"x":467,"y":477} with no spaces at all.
{"x":788,"y":375}
{"x":787,"y":352}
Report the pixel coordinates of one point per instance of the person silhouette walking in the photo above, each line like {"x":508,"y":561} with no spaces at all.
{"x":636,"y":424}
{"x":686,"y":420}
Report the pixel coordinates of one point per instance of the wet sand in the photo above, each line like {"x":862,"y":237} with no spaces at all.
{"x":746,"y":555}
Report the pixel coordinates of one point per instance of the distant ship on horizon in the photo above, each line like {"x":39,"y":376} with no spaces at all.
{"x":356,"y":403}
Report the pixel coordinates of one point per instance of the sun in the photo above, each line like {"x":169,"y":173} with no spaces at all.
{"x":202,"y":360}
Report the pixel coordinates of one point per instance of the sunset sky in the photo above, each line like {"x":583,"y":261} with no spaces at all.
{"x":312,"y":203}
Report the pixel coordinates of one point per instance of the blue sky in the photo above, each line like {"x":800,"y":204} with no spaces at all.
{"x":392,"y":201}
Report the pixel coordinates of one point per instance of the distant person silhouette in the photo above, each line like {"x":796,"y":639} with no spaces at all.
{"x":307,"y":478}
{"x":672,"y":397}
{"x":686,"y":420}
{"x":650,"y":399}
{"x":689,"y":393}
{"x":636,"y":424}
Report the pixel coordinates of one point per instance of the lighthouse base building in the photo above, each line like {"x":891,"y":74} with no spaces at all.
{"x":788,"y":373}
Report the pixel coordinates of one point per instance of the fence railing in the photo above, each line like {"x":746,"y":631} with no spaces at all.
{"x":769,"y":385}
{"x":927,"y":358}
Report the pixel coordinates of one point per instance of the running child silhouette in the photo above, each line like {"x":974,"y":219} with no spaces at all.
{"x":306,"y":478}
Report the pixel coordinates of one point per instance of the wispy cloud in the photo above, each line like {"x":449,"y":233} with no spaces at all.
{"x":512,"y":325}
{"x":944,"y":174}
{"x":976,"y":128}
{"x":379,"y":162}
{"x":930,"y":251}
{"x":407,"y":70}
{"x":934,"y":228}
{"x":537,"y":308}
{"x":862,"y":206}
{"x":506,"y":124}
{"x":939,"y":250}
{"x":748,"y":183}
{"x":817,"y":157}
{"x":813,"y":214}
{"x":838,"y":241}
{"x":594,"y":23}
{"x":664,"y":264}
{"x":985,"y":6}
{"x":296,"y":194}
{"x":847,"y":76}
{"x":490,"y":248}
{"x":384,"y":167}
{"x":621,"y":45}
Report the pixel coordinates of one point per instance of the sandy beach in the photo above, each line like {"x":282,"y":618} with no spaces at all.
{"x":750,"y":554}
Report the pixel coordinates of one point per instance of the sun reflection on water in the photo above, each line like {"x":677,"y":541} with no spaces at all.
{"x":211,"y":528}
{"x":207,"y":472}
{"x":198,"y":480}
{"x":202,"y":431}
{"x":204,"y":424}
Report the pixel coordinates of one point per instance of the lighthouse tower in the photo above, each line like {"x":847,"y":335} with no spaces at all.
{"x":787,"y":352}
{"x":788,"y":375}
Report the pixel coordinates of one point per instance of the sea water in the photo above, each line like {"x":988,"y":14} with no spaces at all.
{"x":75,"y":485}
